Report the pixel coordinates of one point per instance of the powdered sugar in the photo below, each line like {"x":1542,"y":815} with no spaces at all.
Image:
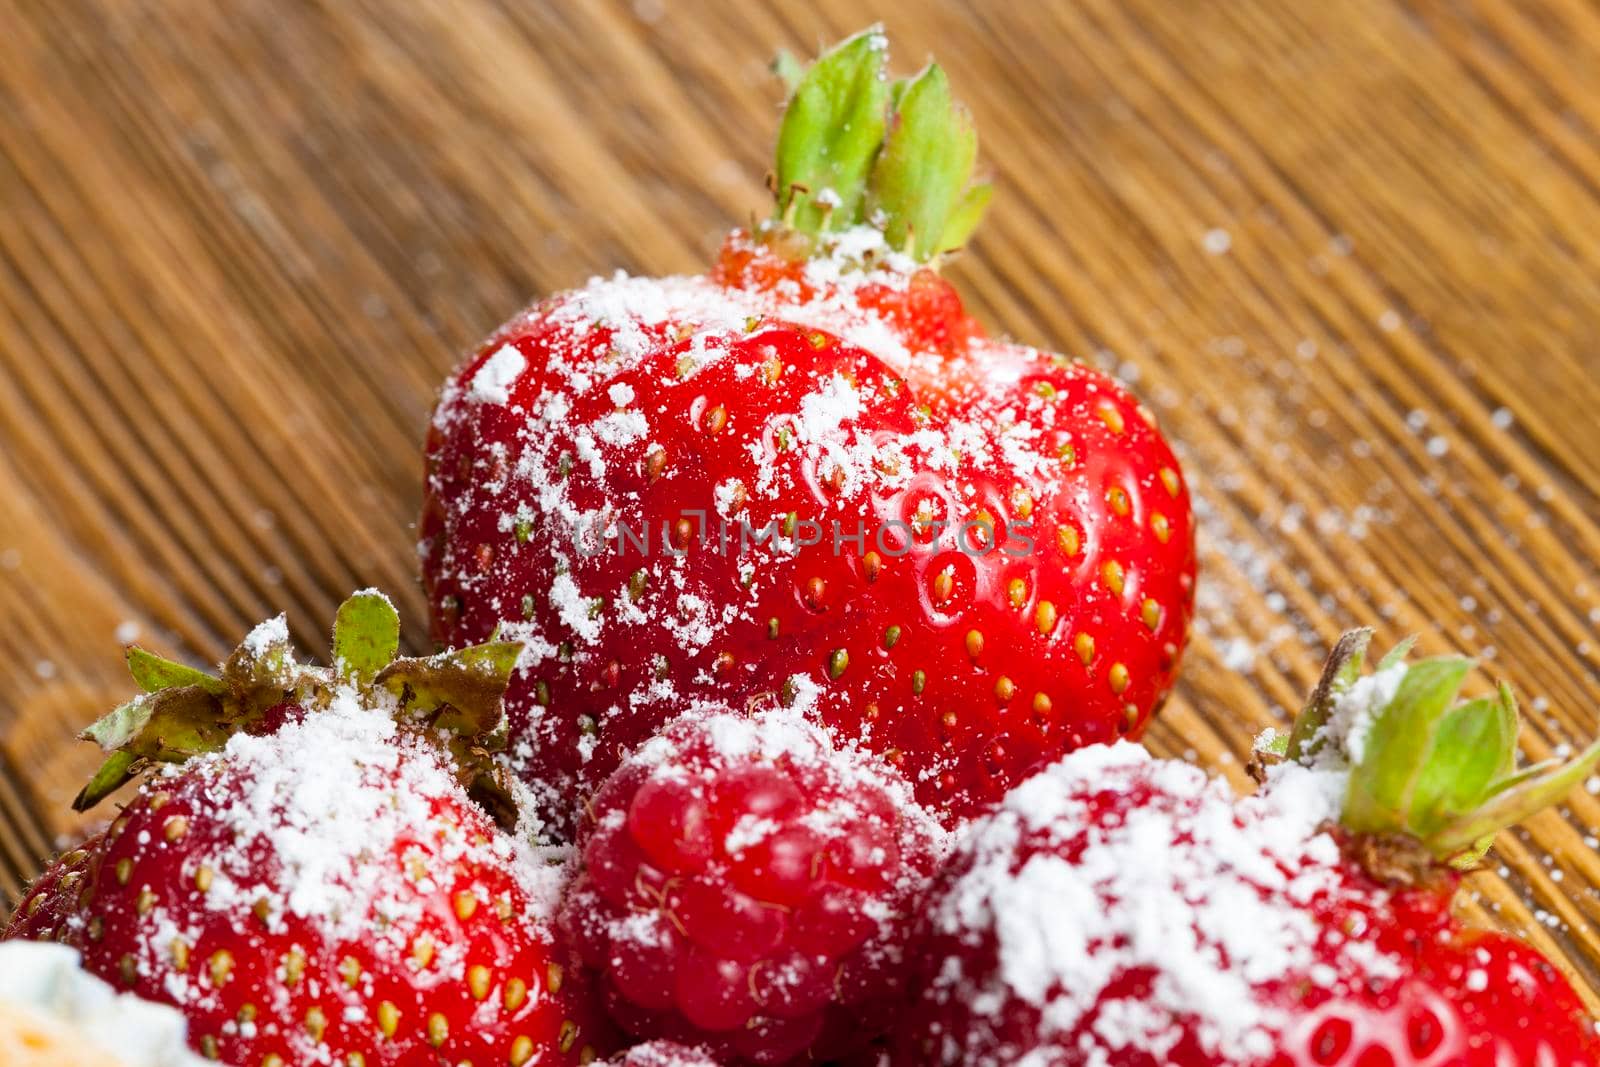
{"x":492,"y":384}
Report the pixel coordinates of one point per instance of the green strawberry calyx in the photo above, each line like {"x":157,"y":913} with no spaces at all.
{"x":856,"y":148}
{"x":1422,"y":763}
{"x":183,"y":712}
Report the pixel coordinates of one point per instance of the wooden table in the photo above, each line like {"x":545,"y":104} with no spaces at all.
{"x":1348,"y":251}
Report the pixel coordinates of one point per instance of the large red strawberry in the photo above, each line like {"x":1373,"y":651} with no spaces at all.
{"x":810,"y":473}
{"x":747,"y":887}
{"x":307,"y":877}
{"x":1127,"y":912}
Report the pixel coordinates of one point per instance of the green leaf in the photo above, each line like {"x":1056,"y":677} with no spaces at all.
{"x":1382,"y":783}
{"x":1532,"y":792}
{"x":366,"y":636}
{"x":118,"y":770}
{"x":1339,"y":672}
{"x":151,"y":672}
{"x":169,"y":726}
{"x":1469,"y":755}
{"x":455,"y":691}
{"x":965,"y":218}
{"x":926,"y":162}
{"x":831,"y":131}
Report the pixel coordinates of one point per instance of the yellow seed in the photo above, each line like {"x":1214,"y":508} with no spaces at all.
{"x":943,"y":585}
{"x":422,"y":951}
{"x":1045,"y":616}
{"x":466,"y":903}
{"x":1022,"y":502}
{"x":350,"y":971}
{"x":516,"y":992}
{"x":1004,"y":689}
{"x":180,"y":954}
{"x":1169,"y":478}
{"x":1083,"y":644}
{"x":97,"y":928}
{"x":221,"y":964}
{"x":388,"y":1018}
{"x":553,"y":976}
{"x":294,"y":966}
{"x":146,"y":900}
{"x":124,"y":870}
{"x":479,"y":979}
{"x":1130,"y":717}
{"x":202,"y":878}
{"x":1160,"y":527}
{"x":1111,"y":417}
{"x":521,"y":1050}
{"x":128,"y":968}
{"x":316,"y":1023}
{"x":70,"y":880}
{"x":1117,"y":497}
{"x":1150,"y":612}
{"x":209,"y":1047}
{"x":1017,"y":592}
{"x":35,"y":904}
{"x":1067,"y":540}
{"x":355,"y":1059}
{"x":974,"y":644}
{"x":160,"y":800}
{"x":272,"y":1059}
{"x":1118,"y":677}
{"x":716,"y":419}
{"x":174,"y":828}
{"x":567,"y":1037}
{"x":263,"y":909}
{"x":1112,"y":574}
{"x":1041,"y":704}
{"x":438,"y":1029}
{"x":246,"y":1013}
{"x":503,"y":909}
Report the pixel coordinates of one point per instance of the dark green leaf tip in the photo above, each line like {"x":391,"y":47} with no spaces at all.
{"x":855,"y":148}
{"x":1421,"y":761}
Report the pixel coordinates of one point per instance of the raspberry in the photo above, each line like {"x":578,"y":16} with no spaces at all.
{"x":747,"y":887}
{"x":664,"y":1054}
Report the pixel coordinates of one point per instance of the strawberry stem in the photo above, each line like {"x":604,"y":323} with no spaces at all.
{"x":856,"y":149}
{"x":1420,"y":761}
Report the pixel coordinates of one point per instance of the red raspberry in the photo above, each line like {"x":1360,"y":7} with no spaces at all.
{"x":664,"y":1054}
{"x":746,"y":887}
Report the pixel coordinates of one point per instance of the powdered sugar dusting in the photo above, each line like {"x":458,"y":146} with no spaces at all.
{"x":492,"y":384}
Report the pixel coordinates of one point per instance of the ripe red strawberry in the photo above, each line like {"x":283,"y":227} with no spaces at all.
{"x":822,"y":382}
{"x":1119,"y":910}
{"x":307,"y":880}
{"x":747,"y":888}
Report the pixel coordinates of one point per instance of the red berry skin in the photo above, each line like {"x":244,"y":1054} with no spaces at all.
{"x":968,"y":656}
{"x":1383,"y":976}
{"x":171,"y":904}
{"x":747,"y":889}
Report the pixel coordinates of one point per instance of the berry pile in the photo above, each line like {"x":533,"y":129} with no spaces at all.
{"x":802,"y":633}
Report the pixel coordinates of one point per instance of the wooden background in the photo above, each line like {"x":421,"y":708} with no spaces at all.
{"x":1348,"y":251}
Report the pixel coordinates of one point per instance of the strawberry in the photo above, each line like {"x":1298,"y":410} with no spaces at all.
{"x":809,"y":473}
{"x":1121,"y":910}
{"x":309,"y":878}
{"x":748,"y":888}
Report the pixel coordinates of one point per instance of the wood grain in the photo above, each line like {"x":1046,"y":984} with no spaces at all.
{"x":1349,"y":252}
